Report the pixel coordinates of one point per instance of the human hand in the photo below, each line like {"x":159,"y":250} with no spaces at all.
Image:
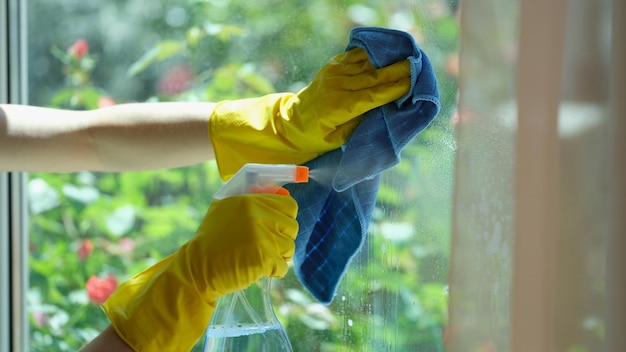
{"x":326,"y":112}
{"x":295,"y":128}
{"x":241,"y":239}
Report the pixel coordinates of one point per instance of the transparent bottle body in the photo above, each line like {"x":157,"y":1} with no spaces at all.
{"x":245,"y":321}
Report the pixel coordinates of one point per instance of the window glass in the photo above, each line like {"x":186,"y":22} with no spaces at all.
{"x":90,"y":231}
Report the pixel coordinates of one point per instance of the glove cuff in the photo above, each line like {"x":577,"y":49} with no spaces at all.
{"x":153,"y":311}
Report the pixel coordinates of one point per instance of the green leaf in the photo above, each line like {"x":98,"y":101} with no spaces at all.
{"x":60,"y":54}
{"x":193,"y":35}
{"x":62,"y":97}
{"x":258,"y":83}
{"x":42,"y":197}
{"x":85,"y":194}
{"x":89,"y":97}
{"x":223,"y":32}
{"x":163,"y":50}
{"x":121,"y":220}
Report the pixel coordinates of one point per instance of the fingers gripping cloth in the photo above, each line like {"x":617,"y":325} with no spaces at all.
{"x":334,"y":212}
{"x":287,"y":128}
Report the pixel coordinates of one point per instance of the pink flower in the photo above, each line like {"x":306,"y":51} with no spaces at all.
{"x":486,"y":347}
{"x":40,"y":318}
{"x":176,"y":80}
{"x":98,"y":290}
{"x":103,"y":102}
{"x":451,"y":65}
{"x":462,"y":116}
{"x":126,"y":245}
{"x":85,"y":249}
{"x":79,"y":49}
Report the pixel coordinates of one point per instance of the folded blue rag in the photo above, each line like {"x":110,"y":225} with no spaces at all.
{"x":335,"y":207}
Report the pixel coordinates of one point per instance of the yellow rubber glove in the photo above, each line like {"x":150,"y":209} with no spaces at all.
{"x":168,"y":306}
{"x":287,"y":128}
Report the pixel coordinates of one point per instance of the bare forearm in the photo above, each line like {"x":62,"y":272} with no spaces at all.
{"x":38,"y":139}
{"x":107,"y":341}
{"x":126,"y":137}
{"x":150,"y":136}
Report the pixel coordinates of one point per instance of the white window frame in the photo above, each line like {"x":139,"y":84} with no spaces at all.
{"x":13,"y":212}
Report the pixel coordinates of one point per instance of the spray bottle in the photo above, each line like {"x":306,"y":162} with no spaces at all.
{"x":245,"y":320}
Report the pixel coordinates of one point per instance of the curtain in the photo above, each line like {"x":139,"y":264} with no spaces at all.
{"x":538,"y":245}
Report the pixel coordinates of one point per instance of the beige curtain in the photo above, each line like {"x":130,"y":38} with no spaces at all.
{"x":540,"y":198}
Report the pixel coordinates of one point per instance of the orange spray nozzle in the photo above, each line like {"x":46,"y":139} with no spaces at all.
{"x":302,"y":174}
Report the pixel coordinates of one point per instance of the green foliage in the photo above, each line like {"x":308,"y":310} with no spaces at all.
{"x":161,"y":51}
{"x":394,"y":294}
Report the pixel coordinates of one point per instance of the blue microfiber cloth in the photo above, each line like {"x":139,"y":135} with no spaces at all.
{"x":335,"y":207}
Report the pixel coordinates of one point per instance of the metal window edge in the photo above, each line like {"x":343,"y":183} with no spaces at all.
{"x":13,"y":212}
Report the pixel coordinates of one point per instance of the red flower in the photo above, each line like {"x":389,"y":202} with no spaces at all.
{"x":98,"y":290}
{"x":79,"y":49}
{"x":103,"y":102}
{"x":85,"y":249}
{"x":177,"y":80}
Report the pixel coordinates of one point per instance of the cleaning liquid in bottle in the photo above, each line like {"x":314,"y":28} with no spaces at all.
{"x":245,"y":320}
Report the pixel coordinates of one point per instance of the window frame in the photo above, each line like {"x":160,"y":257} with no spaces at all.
{"x":13,"y":212}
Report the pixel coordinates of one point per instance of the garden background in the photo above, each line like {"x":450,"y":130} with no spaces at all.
{"x":90,"y":231}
